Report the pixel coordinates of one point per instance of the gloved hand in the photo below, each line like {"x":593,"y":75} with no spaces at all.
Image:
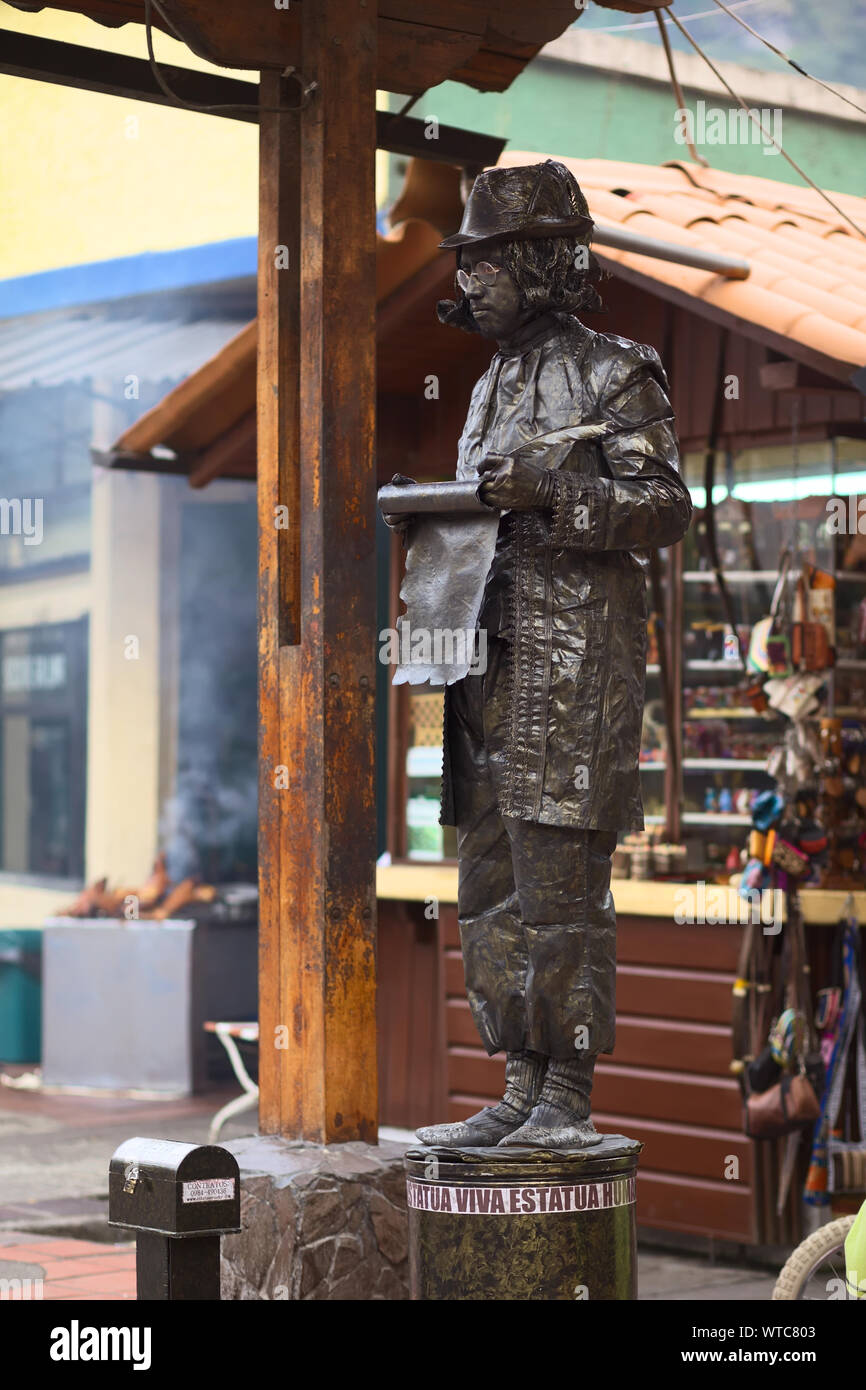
{"x":399,"y":521}
{"x":516,"y":483}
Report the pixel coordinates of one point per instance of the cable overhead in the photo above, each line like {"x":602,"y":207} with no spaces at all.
{"x":648,"y":23}
{"x":756,"y":121}
{"x":787,"y":59}
{"x":149,"y":5}
{"x":678,"y":91}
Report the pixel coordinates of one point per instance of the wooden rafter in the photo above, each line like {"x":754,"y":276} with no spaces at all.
{"x":483,"y":43}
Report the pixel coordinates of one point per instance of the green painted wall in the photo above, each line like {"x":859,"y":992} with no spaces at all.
{"x":554,"y":108}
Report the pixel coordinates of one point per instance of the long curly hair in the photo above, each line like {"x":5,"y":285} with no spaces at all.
{"x":547,"y":273}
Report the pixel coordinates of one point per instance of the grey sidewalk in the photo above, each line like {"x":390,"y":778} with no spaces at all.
{"x":692,"y":1278}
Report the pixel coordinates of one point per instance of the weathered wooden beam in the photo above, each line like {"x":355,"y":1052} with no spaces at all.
{"x":795,"y":376}
{"x":126,"y":460}
{"x":114,"y":74}
{"x":317,"y":622}
{"x":420,"y":44}
{"x":278,"y":472}
{"x":232,"y":452}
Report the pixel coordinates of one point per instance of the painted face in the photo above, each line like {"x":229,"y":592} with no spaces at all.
{"x":495,"y":299}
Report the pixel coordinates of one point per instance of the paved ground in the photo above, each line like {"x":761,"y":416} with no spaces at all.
{"x":54,"y":1156}
{"x":689,"y":1279}
{"x":80,"y":1269}
{"x":55,"y":1149}
{"x":44,"y":1267}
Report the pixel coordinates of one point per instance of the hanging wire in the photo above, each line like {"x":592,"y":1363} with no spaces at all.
{"x":795,"y":463}
{"x":678,"y":91}
{"x":408,"y":104}
{"x":787,"y":59}
{"x":307,"y":88}
{"x":756,"y":121}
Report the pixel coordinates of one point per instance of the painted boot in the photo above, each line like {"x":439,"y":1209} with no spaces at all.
{"x":524,"y":1074}
{"x":560,"y":1118}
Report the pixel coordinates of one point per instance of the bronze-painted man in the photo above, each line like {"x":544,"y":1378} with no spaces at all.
{"x":541,"y":751}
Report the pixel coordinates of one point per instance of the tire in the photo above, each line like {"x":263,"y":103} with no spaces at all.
{"x":821,"y":1245}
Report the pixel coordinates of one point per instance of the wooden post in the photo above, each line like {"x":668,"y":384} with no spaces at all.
{"x":317,"y":619}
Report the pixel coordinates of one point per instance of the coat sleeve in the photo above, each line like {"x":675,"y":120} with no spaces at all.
{"x":643,"y":503}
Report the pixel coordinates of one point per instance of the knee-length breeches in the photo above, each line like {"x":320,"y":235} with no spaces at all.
{"x":537,"y":922}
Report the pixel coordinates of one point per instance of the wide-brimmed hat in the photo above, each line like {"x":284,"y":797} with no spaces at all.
{"x":527,"y":201}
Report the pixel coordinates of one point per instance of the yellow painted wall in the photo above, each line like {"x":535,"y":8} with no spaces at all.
{"x":86,"y":177}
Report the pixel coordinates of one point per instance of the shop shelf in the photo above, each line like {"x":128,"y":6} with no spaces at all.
{"x":737,"y":712}
{"x":715,"y":818}
{"x":700,"y":664}
{"x":424,"y":761}
{"x":723,"y":764}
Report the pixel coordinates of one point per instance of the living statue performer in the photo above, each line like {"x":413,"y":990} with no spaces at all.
{"x":541,"y":750}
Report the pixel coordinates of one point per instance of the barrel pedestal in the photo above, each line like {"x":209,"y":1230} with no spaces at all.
{"x":523,"y":1224}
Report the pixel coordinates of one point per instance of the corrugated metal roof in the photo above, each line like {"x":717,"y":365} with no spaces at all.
{"x":54,"y":349}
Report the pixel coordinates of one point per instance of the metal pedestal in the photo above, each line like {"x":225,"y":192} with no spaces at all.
{"x":523,"y":1224}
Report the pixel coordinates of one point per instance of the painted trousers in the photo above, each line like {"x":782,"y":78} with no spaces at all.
{"x":537,"y":922}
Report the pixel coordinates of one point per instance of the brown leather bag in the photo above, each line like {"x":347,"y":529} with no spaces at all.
{"x":810,"y":648}
{"x":784,"y":1107}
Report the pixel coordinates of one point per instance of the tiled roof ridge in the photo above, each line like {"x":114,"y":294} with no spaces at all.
{"x":688,"y":178}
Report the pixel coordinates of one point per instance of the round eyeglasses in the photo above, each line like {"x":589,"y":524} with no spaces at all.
{"x":484,"y":272}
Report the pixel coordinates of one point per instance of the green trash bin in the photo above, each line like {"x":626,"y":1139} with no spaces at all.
{"x":20,"y":995}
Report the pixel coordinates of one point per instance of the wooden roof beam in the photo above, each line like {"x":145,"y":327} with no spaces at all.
{"x":114,"y":74}
{"x":796,"y":377}
{"x":233,"y":453}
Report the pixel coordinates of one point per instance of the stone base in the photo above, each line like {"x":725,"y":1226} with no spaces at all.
{"x":319,"y":1222}
{"x":523,"y":1223}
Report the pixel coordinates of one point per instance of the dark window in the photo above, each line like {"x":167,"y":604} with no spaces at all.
{"x":43,"y":713}
{"x":210,"y":824}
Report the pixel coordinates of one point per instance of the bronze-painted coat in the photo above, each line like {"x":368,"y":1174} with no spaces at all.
{"x":576,"y":600}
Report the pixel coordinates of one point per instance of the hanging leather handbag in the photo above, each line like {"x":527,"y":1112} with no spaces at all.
{"x":784,"y":1107}
{"x":762,"y":1072}
{"x":813,"y":632}
{"x":849,"y":1168}
{"x":769,"y":648}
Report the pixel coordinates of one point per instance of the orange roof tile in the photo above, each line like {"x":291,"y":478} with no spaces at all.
{"x":807,"y":282}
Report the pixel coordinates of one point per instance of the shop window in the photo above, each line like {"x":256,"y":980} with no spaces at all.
{"x":425,"y":837}
{"x":766,"y":500}
{"x":43,"y":704}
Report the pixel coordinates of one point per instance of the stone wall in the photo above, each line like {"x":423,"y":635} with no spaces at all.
{"x":319,"y":1222}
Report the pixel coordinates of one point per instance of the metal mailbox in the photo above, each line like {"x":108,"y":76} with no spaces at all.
{"x":174,"y":1189}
